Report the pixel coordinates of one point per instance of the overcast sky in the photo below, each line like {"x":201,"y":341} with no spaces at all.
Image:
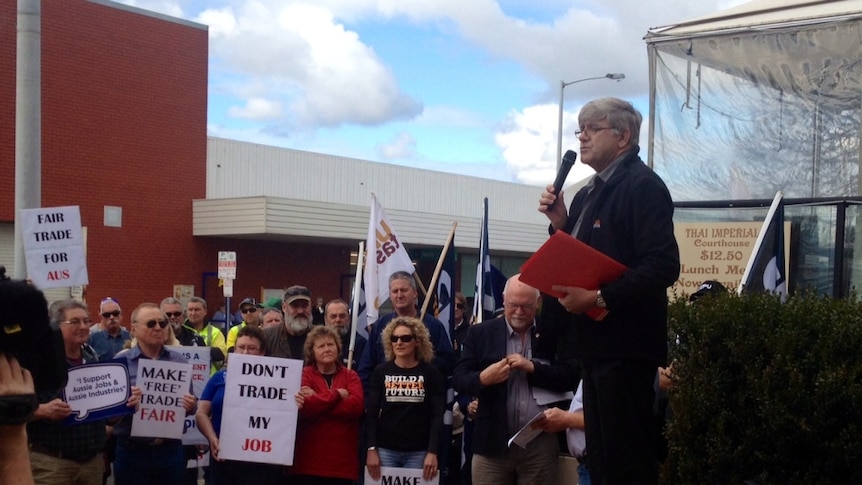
{"x":463,"y":86}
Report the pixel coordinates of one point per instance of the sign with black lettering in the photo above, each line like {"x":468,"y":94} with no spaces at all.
{"x":97,"y":391}
{"x":400,"y":476}
{"x":199,"y":358}
{"x":161,"y":413}
{"x":260,"y":412}
{"x":54,"y":247}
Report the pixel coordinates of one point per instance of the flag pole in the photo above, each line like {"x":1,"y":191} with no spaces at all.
{"x":763,"y":229}
{"x":360,"y":260}
{"x":438,"y":269}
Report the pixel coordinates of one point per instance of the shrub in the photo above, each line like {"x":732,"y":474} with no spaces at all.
{"x":766,"y":391}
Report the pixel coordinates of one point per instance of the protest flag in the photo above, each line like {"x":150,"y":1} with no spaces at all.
{"x":386,"y":255}
{"x":489,"y":290}
{"x":765,"y":270}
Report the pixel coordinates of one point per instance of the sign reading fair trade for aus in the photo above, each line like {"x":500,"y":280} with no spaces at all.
{"x":260,"y":410}
{"x":54,"y":247}
{"x":161,"y":413}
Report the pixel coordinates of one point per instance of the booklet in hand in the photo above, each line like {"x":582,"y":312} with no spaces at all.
{"x":566,"y":261}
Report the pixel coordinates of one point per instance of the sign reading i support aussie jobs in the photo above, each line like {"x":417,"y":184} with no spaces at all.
{"x":54,"y":247}
{"x":260,"y":412}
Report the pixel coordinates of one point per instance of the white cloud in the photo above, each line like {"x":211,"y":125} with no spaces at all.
{"x":257,"y":109}
{"x":401,"y":147}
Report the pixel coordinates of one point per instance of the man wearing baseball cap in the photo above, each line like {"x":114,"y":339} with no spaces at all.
{"x":287,"y":340}
{"x":250,"y":310}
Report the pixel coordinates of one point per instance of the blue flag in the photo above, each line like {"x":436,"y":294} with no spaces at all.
{"x":444,"y":308}
{"x":766,"y":267}
{"x":489,"y":290}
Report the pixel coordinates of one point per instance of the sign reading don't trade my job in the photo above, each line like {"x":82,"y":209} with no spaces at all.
{"x":260,"y":409}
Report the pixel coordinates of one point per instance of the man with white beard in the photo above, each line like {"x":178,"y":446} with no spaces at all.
{"x":287,"y":340}
{"x":337,"y":316}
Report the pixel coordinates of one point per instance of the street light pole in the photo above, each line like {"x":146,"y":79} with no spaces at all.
{"x":616,"y":76}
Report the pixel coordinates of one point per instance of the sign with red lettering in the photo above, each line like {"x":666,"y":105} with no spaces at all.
{"x":161,"y":413}
{"x":199,"y":358}
{"x":260,"y":412}
{"x":54,"y":247}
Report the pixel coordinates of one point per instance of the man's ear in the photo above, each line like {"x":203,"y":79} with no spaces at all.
{"x":625,"y":138}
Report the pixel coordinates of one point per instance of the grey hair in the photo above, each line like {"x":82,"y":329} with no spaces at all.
{"x":403,"y":275}
{"x":621,"y":114}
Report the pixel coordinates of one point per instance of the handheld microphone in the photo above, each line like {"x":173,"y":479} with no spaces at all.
{"x":565,"y":165}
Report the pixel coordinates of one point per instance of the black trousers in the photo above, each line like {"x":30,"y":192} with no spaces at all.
{"x":620,"y":429}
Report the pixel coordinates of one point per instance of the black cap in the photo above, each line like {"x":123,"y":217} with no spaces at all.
{"x":248,"y":301}
{"x":296,"y":292}
{"x":708,"y":288}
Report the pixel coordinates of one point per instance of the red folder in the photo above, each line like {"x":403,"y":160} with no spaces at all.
{"x":566,"y":261}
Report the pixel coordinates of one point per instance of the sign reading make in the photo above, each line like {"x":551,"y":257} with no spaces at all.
{"x":54,"y":247}
{"x":161,"y":413}
{"x":260,"y":409}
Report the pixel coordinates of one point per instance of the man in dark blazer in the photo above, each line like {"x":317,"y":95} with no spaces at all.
{"x":626,"y":212}
{"x":515,"y":375}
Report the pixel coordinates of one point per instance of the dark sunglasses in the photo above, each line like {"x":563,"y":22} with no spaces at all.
{"x":249,"y":309}
{"x":174,"y":314}
{"x":115,"y":313}
{"x":403,"y":338}
{"x":459,"y":306}
{"x":153,"y":323}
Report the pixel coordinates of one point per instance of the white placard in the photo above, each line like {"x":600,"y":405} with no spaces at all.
{"x":260,"y":412}
{"x":54,"y":247}
{"x":161,"y":413}
{"x":227,"y":265}
{"x":400,"y":476}
{"x":199,"y":358}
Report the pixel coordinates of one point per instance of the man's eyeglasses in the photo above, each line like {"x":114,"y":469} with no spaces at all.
{"x":174,"y":314}
{"x":248,"y":309}
{"x":591,"y":130}
{"x":459,"y":306}
{"x":115,"y":314}
{"x":78,"y":321}
{"x":526,"y":307}
{"x":153,"y":323}
{"x":403,"y":338}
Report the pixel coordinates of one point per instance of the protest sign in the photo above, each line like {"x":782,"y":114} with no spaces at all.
{"x":97,"y":391}
{"x":199,"y":358}
{"x":54,"y":247}
{"x":260,"y":412}
{"x":400,"y":476}
{"x":161,"y":413}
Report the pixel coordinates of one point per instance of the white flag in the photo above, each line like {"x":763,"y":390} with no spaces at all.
{"x":386,"y":255}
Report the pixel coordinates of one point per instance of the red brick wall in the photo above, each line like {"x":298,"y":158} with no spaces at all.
{"x":124,"y":107}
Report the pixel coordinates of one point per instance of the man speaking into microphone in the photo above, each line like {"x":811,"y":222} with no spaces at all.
{"x":626,"y":212}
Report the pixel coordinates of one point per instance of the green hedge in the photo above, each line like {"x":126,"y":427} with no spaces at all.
{"x":766,"y":391}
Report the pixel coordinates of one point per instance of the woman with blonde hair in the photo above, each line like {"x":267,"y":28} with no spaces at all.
{"x":404,"y":406}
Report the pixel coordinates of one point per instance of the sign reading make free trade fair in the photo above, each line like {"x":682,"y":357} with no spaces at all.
{"x":54,"y":247}
{"x":260,"y":410}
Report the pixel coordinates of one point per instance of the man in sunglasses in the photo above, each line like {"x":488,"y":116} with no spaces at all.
{"x":173,"y":309}
{"x":149,"y":460}
{"x":251,"y":315}
{"x":110,"y":336}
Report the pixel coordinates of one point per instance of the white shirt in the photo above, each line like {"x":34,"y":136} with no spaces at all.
{"x":576,"y":438}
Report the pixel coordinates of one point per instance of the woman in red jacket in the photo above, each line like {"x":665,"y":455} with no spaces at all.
{"x":330,"y":408}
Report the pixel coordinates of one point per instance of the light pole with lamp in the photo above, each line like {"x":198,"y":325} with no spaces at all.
{"x":616,"y":76}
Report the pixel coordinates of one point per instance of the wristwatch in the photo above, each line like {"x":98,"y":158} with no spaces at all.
{"x":372,"y":448}
{"x":600,"y":300}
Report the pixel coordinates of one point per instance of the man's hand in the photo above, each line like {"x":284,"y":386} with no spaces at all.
{"x":555,"y":212}
{"x":14,"y":379}
{"x":135,"y":398}
{"x":559,"y":420}
{"x":495,"y":373}
{"x":189,"y":403}
{"x":577,"y":300}
{"x":519,"y":362}
{"x":55,"y":410}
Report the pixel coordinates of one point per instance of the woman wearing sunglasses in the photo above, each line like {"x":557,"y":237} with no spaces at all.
{"x":404,"y":406}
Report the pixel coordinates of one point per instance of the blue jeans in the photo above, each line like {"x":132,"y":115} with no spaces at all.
{"x":401,"y":459}
{"x":584,"y":475}
{"x":142,"y":464}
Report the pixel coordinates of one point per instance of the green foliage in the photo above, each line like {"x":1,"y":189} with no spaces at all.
{"x":766,"y":391}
